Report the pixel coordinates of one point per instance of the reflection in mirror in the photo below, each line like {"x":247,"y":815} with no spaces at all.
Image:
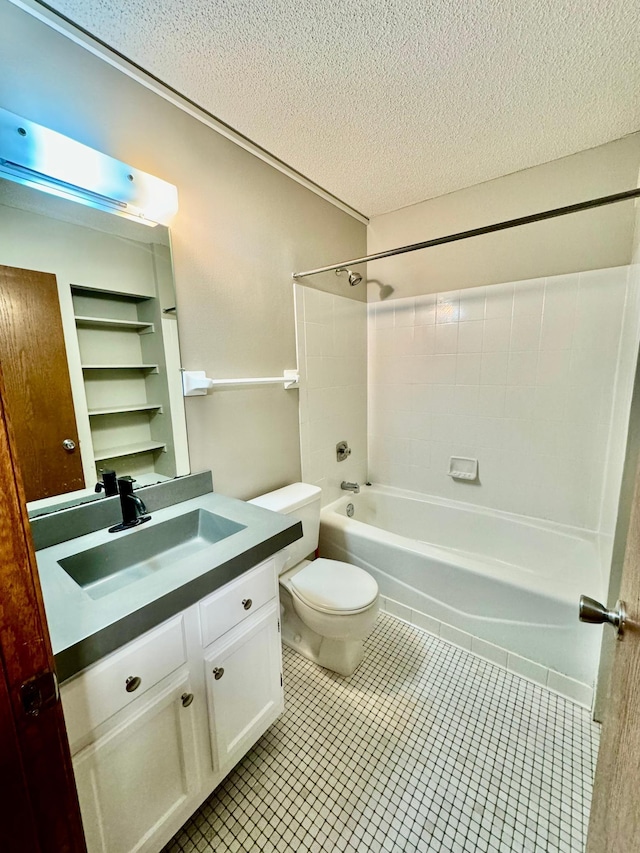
{"x":88,"y":347}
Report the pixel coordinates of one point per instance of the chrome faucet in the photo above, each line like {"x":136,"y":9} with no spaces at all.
{"x":132,"y":506}
{"x":350,"y":487}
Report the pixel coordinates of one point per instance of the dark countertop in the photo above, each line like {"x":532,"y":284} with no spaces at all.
{"x":84,"y":629}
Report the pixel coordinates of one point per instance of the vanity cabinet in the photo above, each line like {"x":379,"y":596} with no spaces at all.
{"x":243,"y":685}
{"x":133,"y":779}
{"x":156,"y":725}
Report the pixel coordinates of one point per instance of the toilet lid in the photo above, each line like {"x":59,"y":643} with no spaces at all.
{"x":335,"y":587}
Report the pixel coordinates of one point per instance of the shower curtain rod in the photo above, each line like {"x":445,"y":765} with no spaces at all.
{"x":477,"y":232}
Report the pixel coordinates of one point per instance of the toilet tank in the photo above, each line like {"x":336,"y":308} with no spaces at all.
{"x":300,"y":501}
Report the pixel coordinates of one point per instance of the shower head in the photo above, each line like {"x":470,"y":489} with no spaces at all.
{"x":354,"y":277}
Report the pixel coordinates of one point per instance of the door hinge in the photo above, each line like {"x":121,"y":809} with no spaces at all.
{"x":281,"y":680}
{"x":39,"y":692}
{"x":278,"y":626}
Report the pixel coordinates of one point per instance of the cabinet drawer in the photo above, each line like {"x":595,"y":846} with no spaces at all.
{"x":237,"y":600}
{"x":96,"y":694}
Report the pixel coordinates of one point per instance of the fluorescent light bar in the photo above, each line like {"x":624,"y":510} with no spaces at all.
{"x":36,"y":156}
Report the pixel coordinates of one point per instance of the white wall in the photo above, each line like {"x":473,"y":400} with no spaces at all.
{"x":241,"y":229}
{"x":332,"y":358}
{"x":520,"y":376}
{"x":593,"y":239}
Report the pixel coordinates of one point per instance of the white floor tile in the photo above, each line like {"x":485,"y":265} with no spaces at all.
{"x":425,"y":748}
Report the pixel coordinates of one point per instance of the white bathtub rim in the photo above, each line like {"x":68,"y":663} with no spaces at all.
{"x":502,"y":571}
{"x":569,"y":530}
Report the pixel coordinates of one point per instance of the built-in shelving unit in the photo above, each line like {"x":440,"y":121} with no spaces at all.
{"x":122,"y":358}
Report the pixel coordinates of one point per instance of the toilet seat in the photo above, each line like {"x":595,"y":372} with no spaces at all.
{"x":333,"y":587}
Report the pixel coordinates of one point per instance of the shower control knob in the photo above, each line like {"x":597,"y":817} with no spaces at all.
{"x":594,"y":612}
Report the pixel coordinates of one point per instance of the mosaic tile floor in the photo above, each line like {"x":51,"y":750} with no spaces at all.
{"x":424,"y":748}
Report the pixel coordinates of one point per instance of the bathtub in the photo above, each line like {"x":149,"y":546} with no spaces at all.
{"x":511,"y":581}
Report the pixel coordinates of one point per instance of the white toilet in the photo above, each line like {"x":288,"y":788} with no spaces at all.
{"x":328,"y":607}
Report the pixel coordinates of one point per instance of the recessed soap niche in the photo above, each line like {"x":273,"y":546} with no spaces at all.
{"x":125,"y":380}
{"x":463,"y":468}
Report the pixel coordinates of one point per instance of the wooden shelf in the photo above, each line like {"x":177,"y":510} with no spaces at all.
{"x":109,"y":323}
{"x":129,"y":450}
{"x":116,"y":410}
{"x":152,"y":368}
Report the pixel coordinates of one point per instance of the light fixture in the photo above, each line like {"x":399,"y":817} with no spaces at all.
{"x":36,"y":156}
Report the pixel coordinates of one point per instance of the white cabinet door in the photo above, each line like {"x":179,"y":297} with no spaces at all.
{"x":133,"y":779}
{"x":244,"y":685}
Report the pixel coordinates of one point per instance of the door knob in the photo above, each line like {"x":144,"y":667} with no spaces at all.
{"x":69,"y":444}
{"x":595,"y":613}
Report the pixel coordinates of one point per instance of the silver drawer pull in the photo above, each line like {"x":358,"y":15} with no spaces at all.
{"x":246,"y":603}
{"x":187,"y":699}
{"x":218,"y":672}
{"x":132,"y":683}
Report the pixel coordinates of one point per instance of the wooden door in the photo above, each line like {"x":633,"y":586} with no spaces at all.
{"x":38,"y":390}
{"x":615,"y":811}
{"x":38,"y":804}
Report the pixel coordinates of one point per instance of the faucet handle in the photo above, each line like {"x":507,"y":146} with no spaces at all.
{"x":108,"y":483}
{"x":125,"y":484}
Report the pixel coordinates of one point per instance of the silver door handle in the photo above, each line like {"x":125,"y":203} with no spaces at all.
{"x":595,"y":613}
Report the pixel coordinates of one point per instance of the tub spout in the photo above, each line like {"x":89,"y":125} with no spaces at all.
{"x":350,"y":487}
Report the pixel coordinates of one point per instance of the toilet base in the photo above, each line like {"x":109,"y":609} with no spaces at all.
{"x":341,"y":656}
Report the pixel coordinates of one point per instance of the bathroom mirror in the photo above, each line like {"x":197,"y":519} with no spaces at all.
{"x":88,"y":347}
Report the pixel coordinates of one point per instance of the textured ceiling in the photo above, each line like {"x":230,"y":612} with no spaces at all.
{"x":388,"y":102}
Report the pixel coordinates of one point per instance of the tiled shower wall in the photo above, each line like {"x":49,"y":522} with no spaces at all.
{"x":331,"y":335}
{"x":520,"y":376}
